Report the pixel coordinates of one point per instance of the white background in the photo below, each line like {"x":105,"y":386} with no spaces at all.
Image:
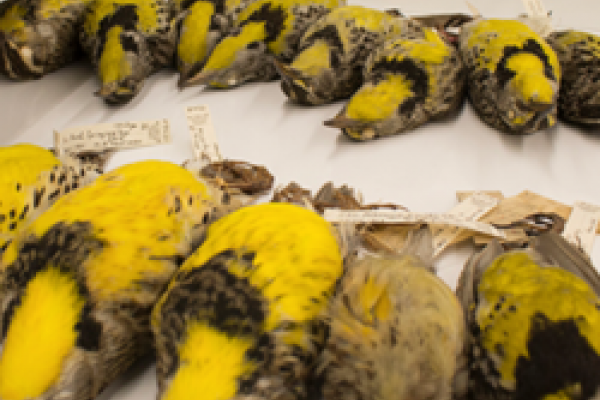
{"x":421,"y":169}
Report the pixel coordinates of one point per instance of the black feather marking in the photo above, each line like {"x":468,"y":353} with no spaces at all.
{"x":37,"y":197}
{"x":330,"y":35}
{"x":90,"y":331}
{"x":125,"y":16}
{"x":411,"y":72}
{"x":129,"y":44}
{"x":273,"y":17}
{"x":212,"y":294}
{"x":8,"y":313}
{"x":559,"y":358}
{"x":219,"y":5}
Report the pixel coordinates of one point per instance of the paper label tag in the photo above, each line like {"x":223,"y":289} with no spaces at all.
{"x":538,"y":18}
{"x":535,"y":8}
{"x":403,"y":217}
{"x":581,"y":226}
{"x":204,"y":140}
{"x":471,"y":209}
{"x":473,"y":10}
{"x":110,"y":136}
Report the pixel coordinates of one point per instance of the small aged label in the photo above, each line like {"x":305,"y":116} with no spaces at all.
{"x":535,"y":8}
{"x":471,"y":209}
{"x":538,"y":18}
{"x":404,"y":217}
{"x":204,"y":140}
{"x":473,"y":10}
{"x":581,"y":226}
{"x":112,"y":136}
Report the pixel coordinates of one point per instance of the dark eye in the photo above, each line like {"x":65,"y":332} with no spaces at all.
{"x":253,"y":45}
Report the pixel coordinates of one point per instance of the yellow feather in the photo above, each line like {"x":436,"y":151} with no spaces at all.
{"x":114,"y":66}
{"x":375,"y":103}
{"x":211,"y":364}
{"x":146,"y":11}
{"x":192,"y":47}
{"x":41,"y":334}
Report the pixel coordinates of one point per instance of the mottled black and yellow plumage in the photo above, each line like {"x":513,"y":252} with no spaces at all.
{"x":396,"y":331}
{"x":78,"y":286}
{"x":38,"y":36}
{"x":264,"y":29}
{"x":413,"y":78}
{"x":513,"y":75}
{"x":31,"y":180}
{"x":240,"y":318}
{"x":333,"y":51}
{"x":579,"y":56}
{"x":199,"y":26}
{"x":534,"y":322}
{"x":126,"y":40}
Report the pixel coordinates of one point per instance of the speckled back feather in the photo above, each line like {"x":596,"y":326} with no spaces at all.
{"x":264,"y":27}
{"x":579,"y":56}
{"x":332,"y":52}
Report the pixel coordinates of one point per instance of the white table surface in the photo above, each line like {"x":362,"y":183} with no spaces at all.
{"x":421,"y":169}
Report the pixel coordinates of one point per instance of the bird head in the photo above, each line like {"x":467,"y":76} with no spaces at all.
{"x":531,"y":94}
{"x":310,"y":79}
{"x":122,"y":65}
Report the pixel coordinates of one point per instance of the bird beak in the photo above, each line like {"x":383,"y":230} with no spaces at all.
{"x":286,"y":71}
{"x":534,"y":106}
{"x":200,"y":78}
{"x":343,"y":122}
{"x":104,"y":91}
{"x":187,"y":73}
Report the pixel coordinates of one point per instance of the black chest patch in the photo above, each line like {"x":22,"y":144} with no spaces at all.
{"x":412,"y":72}
{"x":531,"y":46}
{"x":125,"y":16}
{"x":560,"y":358}
{"x":273,"y":17}
{"x":330,"y":35}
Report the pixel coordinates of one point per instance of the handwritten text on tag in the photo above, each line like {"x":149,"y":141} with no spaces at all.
{"x":203,"y":135}
{"x":581,"y":226}
{"x":109,"y":136}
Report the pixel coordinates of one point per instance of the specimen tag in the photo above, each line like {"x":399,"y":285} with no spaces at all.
{"x":581,"y":226}
{"x":535,"y":8}
{"x":538,"y":18}
{"x":111,"y":136}
{"x":471,"y":209}
{"x":204,"y":140}
{"x":404,"y":217}
{"x":473,"y":10}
